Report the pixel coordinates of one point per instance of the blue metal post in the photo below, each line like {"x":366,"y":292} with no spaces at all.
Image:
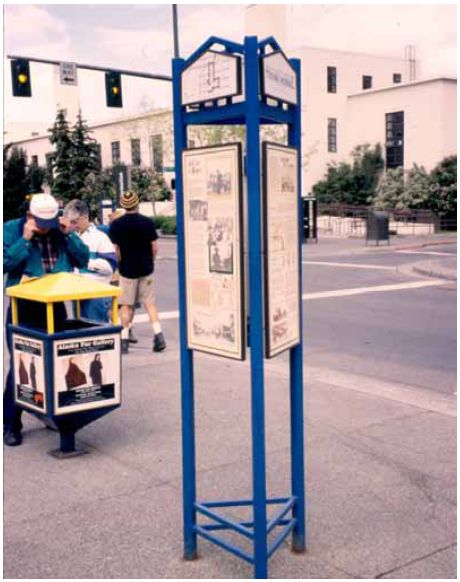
{"x":187,"y":386}
{"x":296,"y":361}
{"x":251,"y":65}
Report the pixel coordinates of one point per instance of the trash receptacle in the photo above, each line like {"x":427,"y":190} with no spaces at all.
{"x":67,"y":372}
{"x":378,"y":226}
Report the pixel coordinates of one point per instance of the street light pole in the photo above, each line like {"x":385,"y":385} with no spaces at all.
{"x":175,"y":32}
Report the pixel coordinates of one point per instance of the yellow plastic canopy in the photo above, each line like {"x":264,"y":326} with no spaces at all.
{"x":50,"y":289}
{"x":62,"y":287}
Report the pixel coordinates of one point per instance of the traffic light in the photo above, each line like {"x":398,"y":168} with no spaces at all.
{"x":20,"y":77}
{"x":113,"y":89}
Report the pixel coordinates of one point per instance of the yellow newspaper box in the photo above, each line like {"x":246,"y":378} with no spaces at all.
{"x":66,"y":369}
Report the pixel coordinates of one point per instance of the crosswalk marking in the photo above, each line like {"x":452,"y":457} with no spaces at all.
{"x":436,"y":253}
{"x":167,"y":315}
{"x":376,"y":289}
{"x":348,"y":265}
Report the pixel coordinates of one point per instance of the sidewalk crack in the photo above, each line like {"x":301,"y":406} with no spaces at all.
{"x":416,"y":560}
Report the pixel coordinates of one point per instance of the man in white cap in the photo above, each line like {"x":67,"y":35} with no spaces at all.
{"x":35,"y":245}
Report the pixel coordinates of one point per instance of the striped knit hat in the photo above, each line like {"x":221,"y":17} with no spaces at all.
{"x":129,"y":200}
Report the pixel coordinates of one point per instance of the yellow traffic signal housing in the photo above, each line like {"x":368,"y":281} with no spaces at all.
{"x":114,"y":97}
{"x":20,"y":77}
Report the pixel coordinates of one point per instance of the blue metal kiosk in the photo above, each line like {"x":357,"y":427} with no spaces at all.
{"x":254,"y":107}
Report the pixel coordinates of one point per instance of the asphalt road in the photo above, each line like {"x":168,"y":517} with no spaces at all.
{"x":402,"y":334}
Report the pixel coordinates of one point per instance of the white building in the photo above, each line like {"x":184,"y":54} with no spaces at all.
{"x":348,"y":99}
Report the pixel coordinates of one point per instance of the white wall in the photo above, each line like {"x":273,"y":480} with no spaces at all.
{"x":318,"y":105}
{"x":142,"y":128}
{"x":430,"y":119}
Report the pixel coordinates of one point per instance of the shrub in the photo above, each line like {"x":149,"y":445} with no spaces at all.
{"x":443,"y":198}
{"x":167,"y":224}
{"x":352,"y":184}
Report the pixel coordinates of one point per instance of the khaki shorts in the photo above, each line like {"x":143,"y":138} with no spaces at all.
{"x":135,"y":291}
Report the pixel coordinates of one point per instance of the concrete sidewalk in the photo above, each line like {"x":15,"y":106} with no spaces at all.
{"x":381,"y":477}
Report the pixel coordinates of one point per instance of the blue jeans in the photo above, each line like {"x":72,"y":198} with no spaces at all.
{"x":96,"y":309}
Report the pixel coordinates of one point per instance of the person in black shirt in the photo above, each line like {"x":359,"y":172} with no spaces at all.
{"x":135,"y":239}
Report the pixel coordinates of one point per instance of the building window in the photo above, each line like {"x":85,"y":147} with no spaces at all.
{"x":394,"y":145}
{"x":332,"y":79}
{"x":397,"y":78}
{"x":157,"y":152}
{"x":367,"y":82}
{"x":332,"y":135}
{"x":34,"y":160}
{"x":115,"y":152}
{"x":136,"y":152}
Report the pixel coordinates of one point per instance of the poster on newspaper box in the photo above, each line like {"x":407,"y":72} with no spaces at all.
{"x":281,"y":233}
{"x":213,"y":250}
{"x":29,"y":372}
{"x":86,"y":373}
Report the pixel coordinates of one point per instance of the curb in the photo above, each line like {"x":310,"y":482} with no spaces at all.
{"x":421,"y":245}
{"x":434,"y":272}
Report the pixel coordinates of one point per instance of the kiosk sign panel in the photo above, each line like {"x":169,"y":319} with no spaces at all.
{"x":213,"y":250}
{"x":281,"y":233}
{"x":29,"y":372}
{"x":86,"y":373}
{"x":278,"y":78}
{"x":212,"y":76}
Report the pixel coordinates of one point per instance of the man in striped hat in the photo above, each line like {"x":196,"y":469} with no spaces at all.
{"x":135,"y":239}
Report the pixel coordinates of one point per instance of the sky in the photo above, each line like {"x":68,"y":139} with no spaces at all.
{"x":139,"y":37}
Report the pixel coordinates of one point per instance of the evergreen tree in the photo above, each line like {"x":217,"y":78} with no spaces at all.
{"x":61,"y":138}
{"x":15,"y":183}
{"x":84,"y":156}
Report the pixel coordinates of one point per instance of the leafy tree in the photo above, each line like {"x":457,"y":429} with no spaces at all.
{"x":84,"y":155}
{"x":417,"y":188}
{"x":149,"y":185}
{"x":352,"y":184}
{"x":15,"y":183}
{"x":339,"y":186}
{"x":98,"y":186}
{"x":390,"y":191}
{"x":368,"y":165}
{"x":443,"y":195}
{"x":61,"y":139}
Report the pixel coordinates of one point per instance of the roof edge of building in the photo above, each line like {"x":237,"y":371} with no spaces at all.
{"x":347,"y":52}
{"x":153,"y":112}
{"x":402,"y":85}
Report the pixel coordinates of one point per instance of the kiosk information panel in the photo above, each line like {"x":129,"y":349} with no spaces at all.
{"x":281,"y":208}
{"x":213,"y":250}
{"x":86,"y":373}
